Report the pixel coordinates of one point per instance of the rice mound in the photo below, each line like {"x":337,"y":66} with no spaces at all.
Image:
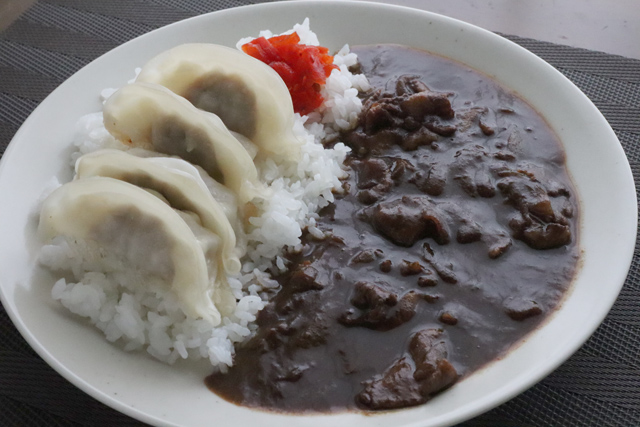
{"x":151,"y":318}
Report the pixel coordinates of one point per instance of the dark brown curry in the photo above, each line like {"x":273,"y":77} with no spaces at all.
{"x":454,"y":238}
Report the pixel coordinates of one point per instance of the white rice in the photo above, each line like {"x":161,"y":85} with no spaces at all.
{"x":151,"y":319}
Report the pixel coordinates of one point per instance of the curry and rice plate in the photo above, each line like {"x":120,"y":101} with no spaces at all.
{"x":409,"y":236}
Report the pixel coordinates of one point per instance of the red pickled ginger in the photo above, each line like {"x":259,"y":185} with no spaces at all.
{"x":303,"y":68}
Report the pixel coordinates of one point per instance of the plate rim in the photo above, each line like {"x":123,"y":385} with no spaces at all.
{"x":122,"y":407}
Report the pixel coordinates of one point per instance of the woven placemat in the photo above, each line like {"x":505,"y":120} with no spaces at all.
{"x":598,"y":386}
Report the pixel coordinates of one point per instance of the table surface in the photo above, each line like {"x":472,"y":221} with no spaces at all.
{"x":603,"y":25}
{"x":598,"y":386}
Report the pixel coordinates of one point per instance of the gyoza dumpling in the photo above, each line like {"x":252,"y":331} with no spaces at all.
{"x":153,"y":117}
{"x":224,"y":196}
{"x":127,"y":230}
{"x":248,"y":95}
{"x":184,"y":191}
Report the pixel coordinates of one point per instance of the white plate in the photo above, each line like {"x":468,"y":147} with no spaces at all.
{"x":158,"y":394}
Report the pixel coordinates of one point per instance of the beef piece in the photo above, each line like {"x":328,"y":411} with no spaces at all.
{"x":445,"y":272}
{"x":377,"y":116}
{"x":423,"y":104}
{"x":358,"y":141}
{"x":282,"y":308}
{"x":555,"y":189}
{"x":373,"y":178}
{"x":469,"y":232}
{"x":431,"y":179}
{"x":313,"y":335}
{"x":541,"y":236}
{"x":448,"y":318}
{"x":410,"y":124}
{"x":407,"y":109}
{"x":269,"y":341}
{"x":386,"y":138}
{"x":469,"y":170}
{"x":486,"y":129}
{"x":514,"y":141}
{"x":467,"y":119}
{"x":369,"y":295}
{"x":410,"y":120}
{"x":504,"y":155}
{"x":292,"y":374}
{"x":381,"y":309}
{"x":399,"y":167}
{"x":414,"y":378}
{"x":408,"y":268}
{"x":466,"y":183}
{"x":527,"y":196}
{"x":505,"y":172}
{"x":409,"y":219}
{"x":310,"y":335}
{"x":537,"y":223}
{"x":304,"y":279}
{"x":329,"y":212}
{"x":368,"y":197}
{"x":355,"y":68}
{"x":363,"y":144}
{"x":520,"y":309}
{"x":294,"y":330}
{"x":440,"y":128}
{"x":498,"y":245}
{"x":429,"y":352}
{"x":485,"y":186}
{"x":428,"y":279}
{"x":444,"y":269}
{"x":385,"y":266}
{"x":305,"y":331}
{"x":395,"y":388}
{"x":363,"y":257}
{"x":372,"y":173}
{"x":409,"y":84}
{"x":377,"y":176}
{"x":419,"y":138}
{"x":416,"y":100}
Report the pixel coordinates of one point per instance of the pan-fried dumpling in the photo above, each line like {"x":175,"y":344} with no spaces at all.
{"x":184,"y":191}
{"x":223,"y":195}
{"x":248,"y":95}
{"x":132,"y":232}
{"x":153,"y":117}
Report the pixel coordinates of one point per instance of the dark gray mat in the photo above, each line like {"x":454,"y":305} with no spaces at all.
{"x":598,"y":386}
